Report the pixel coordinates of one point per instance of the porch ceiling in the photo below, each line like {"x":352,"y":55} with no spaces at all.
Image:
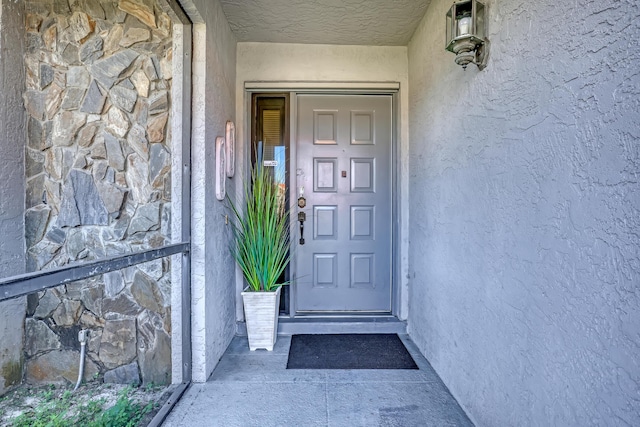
{"x":344,"y":22}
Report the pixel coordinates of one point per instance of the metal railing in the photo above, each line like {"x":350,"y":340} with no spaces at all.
{"x":25,"y":284}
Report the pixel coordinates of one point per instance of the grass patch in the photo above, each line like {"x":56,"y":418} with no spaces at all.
{"x":97,"y":405}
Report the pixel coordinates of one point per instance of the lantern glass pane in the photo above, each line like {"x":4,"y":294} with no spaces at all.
{"x":480,"y":30}
{"x":463,"y":18}
{"x":450,"y":25}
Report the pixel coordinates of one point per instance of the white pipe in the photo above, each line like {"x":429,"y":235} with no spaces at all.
{"x":82,"y":337}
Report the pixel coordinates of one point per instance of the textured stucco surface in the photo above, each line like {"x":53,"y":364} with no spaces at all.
{"x":276,"y":62}
{"x":341,"y":22}
{"x":180,"y":45}
{"x":525,"y":211}
{"x":213,"y":269}
{"x":12,"y":141}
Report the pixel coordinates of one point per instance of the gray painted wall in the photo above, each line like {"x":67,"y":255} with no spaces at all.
{"x":213,"y":268}
{"x":12,"y":191}
{"x":525,"y":211}
{"x":327,"y":64}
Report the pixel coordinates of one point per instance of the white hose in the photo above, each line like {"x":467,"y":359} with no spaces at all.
{"x":82,"y":337}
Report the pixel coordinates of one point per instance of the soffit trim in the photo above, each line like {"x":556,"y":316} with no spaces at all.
{"x":320,"y":86}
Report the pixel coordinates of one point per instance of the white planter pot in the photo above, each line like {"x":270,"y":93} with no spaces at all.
{"x":261,"y":315}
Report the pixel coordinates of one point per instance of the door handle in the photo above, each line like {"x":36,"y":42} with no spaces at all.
{"x":302,"y":217}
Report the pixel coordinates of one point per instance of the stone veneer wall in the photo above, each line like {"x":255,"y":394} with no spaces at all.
{"x":98,"y":81}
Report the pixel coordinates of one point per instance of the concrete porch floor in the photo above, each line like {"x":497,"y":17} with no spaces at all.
{"x":255,"y":389}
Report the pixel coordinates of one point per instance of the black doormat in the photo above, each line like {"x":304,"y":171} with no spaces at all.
{"x":350,"y":351}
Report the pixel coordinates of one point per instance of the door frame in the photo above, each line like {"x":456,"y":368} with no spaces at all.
{"x":334,"y":88}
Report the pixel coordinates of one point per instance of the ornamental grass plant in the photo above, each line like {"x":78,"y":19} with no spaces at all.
{"x":260,"y":228}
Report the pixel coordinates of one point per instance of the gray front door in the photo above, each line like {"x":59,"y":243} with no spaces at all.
{"x":344,"y":173}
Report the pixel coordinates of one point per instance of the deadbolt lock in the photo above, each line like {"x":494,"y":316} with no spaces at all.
{"x":302,"y":202}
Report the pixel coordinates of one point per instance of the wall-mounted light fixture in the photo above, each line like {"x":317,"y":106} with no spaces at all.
{"x":221,"y":171}
{"x":466,"y":33}
{"x":230,"y":147}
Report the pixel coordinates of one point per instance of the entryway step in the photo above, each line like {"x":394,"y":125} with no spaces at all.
{"x":337,"y":325}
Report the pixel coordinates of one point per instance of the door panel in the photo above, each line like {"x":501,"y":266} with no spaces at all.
{"x":344,"y":172}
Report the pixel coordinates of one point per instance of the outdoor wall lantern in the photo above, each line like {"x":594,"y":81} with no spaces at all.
{"x":466,"y":33}
{"x":221,"y":170}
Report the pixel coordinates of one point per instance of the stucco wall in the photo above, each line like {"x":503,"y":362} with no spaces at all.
{"x":213,"y":269}
{"x":12,"y":141}
{"x":525,"y":211}
{"x":276,"y":62}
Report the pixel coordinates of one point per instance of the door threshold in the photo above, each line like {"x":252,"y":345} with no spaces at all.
{"x":336,"y":325}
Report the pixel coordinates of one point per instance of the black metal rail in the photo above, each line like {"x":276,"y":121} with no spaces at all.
{"x":25,"y":284}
